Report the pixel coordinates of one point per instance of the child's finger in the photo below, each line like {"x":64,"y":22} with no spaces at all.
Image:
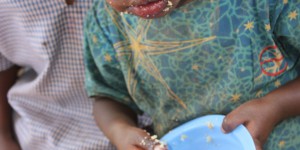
{"x":148,"y":142}
{"x":232,"y":120}
{"x":160,"y":147}
{"x":257,"y":144}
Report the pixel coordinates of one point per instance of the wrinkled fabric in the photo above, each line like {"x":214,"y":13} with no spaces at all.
{"x":51,"y":108}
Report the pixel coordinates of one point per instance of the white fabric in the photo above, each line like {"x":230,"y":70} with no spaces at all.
{"x":52,"y":111}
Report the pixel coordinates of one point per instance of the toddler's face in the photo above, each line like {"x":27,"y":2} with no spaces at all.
{"x":146,"y":8}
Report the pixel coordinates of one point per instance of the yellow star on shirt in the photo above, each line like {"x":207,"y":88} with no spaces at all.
{"x":293,"y":15}
{"x":277,"y":83}
{"x":95,"y":39}
{"x":195,"y":67}
{"x":235,"y":97}
{"x":249,"y":25}
{"x":281,"y":144}
{"x":259,"y":93}
{"x":107,"y":58}
{"x":268,"y":27}
{"x":285,"y":1}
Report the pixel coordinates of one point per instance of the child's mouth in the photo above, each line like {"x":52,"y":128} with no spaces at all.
{"x":149,"y":10}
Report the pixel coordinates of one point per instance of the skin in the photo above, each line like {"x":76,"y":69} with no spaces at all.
{"x":260,"y":116}
{"x":114,"y":118}
{"x":7,"y":140}
{"x":70,"y":2}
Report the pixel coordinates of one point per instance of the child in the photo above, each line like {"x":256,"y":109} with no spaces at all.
{"x":177,"y":60}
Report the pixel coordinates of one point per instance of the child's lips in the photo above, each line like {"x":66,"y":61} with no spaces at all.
{"x":149,"y":10}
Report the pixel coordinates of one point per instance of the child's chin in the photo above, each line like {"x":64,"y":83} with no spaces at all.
{"x":153,"y":16}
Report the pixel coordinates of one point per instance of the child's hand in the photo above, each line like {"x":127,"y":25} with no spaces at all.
{"x":134,"y":138}
{"x":258,"y":116}
{"x":118,"y":123}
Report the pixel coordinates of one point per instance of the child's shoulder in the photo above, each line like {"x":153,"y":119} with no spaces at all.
{"x":100,"y":10}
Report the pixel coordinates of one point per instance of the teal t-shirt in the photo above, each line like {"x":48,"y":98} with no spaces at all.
{"x":207,"y":57}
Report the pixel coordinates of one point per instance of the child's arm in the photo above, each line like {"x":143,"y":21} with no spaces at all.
{"x":261,"y":115}
{"x":118,"y":123}
{"x":7,"y":79}
{"x":286,"y":99}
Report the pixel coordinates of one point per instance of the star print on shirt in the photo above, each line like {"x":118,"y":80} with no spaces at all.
{"x":259,"y":93}
{"x":293,"y":15}
{"x":249,"y":25}
{"x":281,"y":144}
{"x":235,"y":97}
{"x":139,"y":51}
{"x":277,"y":83}
{"x":268,"y":27}
{"x":107,"y":58}
{"x":95,"y":39}
{"x":195,"y":67}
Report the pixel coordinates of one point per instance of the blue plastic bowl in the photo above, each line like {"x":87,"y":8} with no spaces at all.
{"x":205,"y":133}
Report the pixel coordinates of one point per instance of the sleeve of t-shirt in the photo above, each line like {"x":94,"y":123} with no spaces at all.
{"x":287,"y":27}
{"x":4,"y":63}
{"x":103,"y":71}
